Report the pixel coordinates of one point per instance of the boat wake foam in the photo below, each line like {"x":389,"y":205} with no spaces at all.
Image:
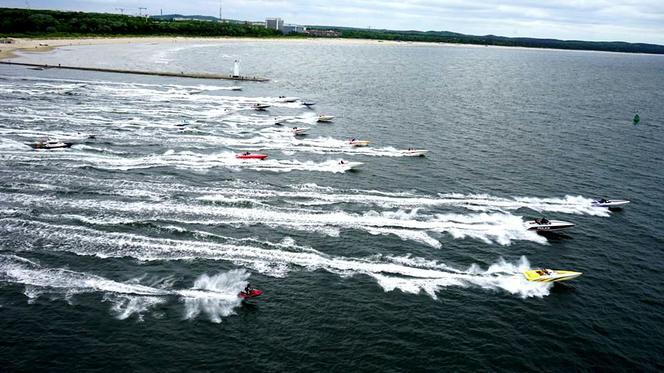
{"x":214,"y":296}
{"x":405,"y":273}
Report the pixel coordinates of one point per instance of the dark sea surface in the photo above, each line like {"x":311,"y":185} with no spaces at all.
{"x":127,"y":250}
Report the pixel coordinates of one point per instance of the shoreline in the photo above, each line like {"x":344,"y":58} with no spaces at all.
{"x":40,"y":45}
{"x":25,"y":45}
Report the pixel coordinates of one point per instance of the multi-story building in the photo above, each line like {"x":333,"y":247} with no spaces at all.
{"x":274,"y":23}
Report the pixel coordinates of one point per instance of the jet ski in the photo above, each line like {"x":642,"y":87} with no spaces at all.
{"x":545,"y":225}
{"x":247,"y":155}
{"x":354,"y":142}
{"x":253,"y":293}
{"x":414,"y":152}
{"x":299,"y":130}
{"x":260,"y":107}
{"x":550,"y":275}
{"x":51,"y":144}
{"x":610,"y":203}
{"x":325,"y":118}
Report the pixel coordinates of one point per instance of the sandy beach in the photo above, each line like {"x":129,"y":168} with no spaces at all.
{"x":44,"y":45}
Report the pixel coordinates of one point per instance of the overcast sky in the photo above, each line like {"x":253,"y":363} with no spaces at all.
{"x":626,"y":20}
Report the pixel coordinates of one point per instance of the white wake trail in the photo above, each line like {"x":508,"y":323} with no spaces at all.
{"x":407,"y":274}
{"x":214,"y":296}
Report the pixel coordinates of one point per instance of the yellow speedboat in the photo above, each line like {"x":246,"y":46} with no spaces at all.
{"x":550,"y":275}
{"x":354,"y":142}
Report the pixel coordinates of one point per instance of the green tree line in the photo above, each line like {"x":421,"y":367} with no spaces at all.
{"x":40,"y":23}
{"x":455,"y":38}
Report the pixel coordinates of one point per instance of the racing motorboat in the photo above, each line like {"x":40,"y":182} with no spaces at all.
{"x":51,"y":144}
{"x":259,"y":106}
{"x":354,"y":142}
{"x":349,"y":165}
{"x":287,"y":99}
{"x":550,"y":275}
{"x":248,"y":155}
{"x":308,"y":104}
{"x":610,"y":203}
{"x":252,"y":293}
{"x":414,"y":152}
{"x":545,"y":225}
{"x":299,"y":130}
{"x":325,"y":118}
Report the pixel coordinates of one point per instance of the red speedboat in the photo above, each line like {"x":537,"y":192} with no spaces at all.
{"x":248,"y":155}
{"x":253,"y":293}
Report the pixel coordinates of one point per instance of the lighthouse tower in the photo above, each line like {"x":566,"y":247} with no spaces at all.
{"x":236,"y":69}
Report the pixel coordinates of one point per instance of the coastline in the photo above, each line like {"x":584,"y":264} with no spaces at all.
{"x":26,"y":45}
{"x":8,"y":51}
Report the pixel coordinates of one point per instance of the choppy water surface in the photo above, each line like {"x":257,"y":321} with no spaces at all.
{"x":127,"y":250}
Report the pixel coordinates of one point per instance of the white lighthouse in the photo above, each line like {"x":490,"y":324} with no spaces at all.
{"x":236,"y":69}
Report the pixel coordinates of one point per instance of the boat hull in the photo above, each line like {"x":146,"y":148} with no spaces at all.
{"x":550,"y":275}
{"x":251,"y":156}
{"x":414,"y":153}
{"x":612,"y":203}
{"x":553,"y":225}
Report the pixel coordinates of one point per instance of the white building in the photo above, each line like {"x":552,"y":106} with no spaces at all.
{"x":287,"y":29}
{"x":274,"y":23}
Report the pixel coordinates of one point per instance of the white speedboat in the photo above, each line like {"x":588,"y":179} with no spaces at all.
{"x":414,"y":152}
{"x":236,"y":88}
{"x":51,"y":144}
{"x":287,"y":99}
{"x":308,"y":104}
{"x":545,"y":225}
{"x":259,"y":106}
{"x":354,"y":142}
{"x":299,"y":130}
{"x":550,"y":275}
{"x":349,"y":165}
{"x":610,"y":203}
{"x":325,"y":118}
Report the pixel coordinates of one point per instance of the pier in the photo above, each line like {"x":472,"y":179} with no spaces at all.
{"x":142,"y":72}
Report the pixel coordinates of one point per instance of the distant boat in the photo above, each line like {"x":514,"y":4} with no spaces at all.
{"x":636,"y":119}
{"x":248,"y":155}
{"x":286,"y":99}
{"x":354,"y":142}
{"x":414,"y":152}
{"x":299,"y":130}
{"x":325,"y":118}
{"x":545,"y":225}
{"x":259,"y":106}
{"x":51,"y":144}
